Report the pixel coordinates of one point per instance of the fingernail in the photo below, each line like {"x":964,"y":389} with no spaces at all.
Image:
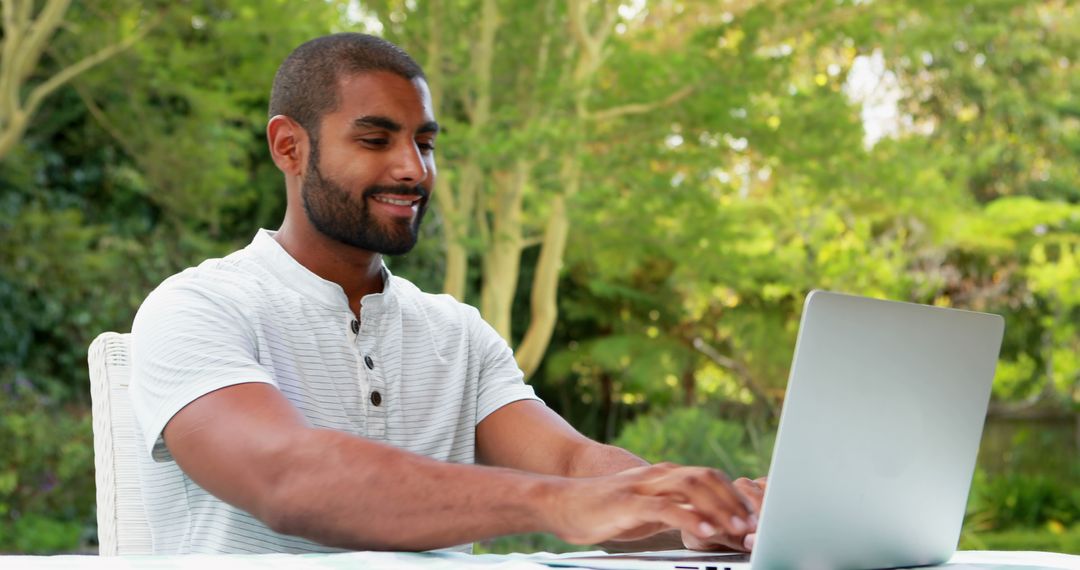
{"x":752,"y":521}
{"x":738,"y":525}
{"x":706,"y":529}
{"x":749,"y":541}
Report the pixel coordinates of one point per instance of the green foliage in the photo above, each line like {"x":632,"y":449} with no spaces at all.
{"x":1046,"y":539}
{"x":145,"y":165}
{"x":33,"y":533}
{"x":1016,"y":500}
{"x":46,"y":472}
{"x":526,"y":543}
{"x":694,"y":436}
{"x":1026,"y":479}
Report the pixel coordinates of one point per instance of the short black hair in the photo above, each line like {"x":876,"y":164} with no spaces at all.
{"x":305,"y":86}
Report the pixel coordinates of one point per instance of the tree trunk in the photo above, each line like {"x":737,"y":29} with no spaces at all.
{"x":545,"y":288}
{"x":502,"y":260}
{"x":459,"y":206}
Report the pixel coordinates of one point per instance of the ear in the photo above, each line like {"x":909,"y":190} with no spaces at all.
{"x":288,"y":144}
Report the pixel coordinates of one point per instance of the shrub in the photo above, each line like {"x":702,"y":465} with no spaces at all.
{"x":695,"y":436}
{"x":1008,"y":501}
{"x":47,"y":492}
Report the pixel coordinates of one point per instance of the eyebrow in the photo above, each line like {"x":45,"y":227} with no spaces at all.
{"x":391,"y":125}
{"x":428,"y":127}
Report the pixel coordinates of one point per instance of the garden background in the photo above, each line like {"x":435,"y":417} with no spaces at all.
{"x":637,"y":194}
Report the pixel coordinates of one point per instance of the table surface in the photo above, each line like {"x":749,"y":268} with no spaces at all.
{"x":984,"y":560}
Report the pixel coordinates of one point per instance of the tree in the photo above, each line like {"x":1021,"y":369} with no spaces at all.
{"x":26,"y":39}
{"x":524,"y":140}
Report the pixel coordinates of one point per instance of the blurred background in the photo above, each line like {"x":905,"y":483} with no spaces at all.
{"x":637,"y":194}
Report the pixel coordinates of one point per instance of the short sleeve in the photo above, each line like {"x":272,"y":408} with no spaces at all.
{"x":187,"y":341}
{"x":501,"y":380}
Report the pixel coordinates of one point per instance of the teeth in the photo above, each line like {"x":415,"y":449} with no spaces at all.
{"x":393,"y":201}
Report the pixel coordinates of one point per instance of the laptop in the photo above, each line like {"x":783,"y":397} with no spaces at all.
{"x":877,"y":442}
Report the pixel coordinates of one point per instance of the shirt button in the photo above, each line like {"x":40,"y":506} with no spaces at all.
{"x":376,"y":397}
{"x":370,"y":363}
{"x":356,"y":326}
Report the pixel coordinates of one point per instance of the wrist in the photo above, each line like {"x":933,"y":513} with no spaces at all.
{"x":543,"y":499}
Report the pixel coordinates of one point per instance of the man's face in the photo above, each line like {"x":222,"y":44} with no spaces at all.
{"x":372,"y":166}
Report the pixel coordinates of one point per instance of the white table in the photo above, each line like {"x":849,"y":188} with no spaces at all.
{"x":966,"y":560}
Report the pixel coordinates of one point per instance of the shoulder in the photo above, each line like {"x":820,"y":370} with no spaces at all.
{"x":231,"y":285}
{"x":433,"y":305}
{"x":440,"y":314}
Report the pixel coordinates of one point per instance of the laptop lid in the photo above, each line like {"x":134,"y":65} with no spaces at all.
{"x":877,"y":442}
{"x":878,"y":435}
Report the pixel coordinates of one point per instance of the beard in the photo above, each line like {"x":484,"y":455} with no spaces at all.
{"x":345,"y":218}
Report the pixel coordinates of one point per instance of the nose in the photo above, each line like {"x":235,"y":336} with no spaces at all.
{"x":409,"y":165}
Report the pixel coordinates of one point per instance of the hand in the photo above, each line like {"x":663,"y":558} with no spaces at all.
{"x":637,"y":503}
{"x":754,"y":490}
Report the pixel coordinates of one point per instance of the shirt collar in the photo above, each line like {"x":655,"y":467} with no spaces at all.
{"x":299,"y":278}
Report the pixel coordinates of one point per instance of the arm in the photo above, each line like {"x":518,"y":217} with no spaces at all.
{"x":528,"y":436}
{"x":248,"y":446}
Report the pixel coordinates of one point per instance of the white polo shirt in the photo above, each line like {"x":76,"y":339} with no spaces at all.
{"x":418,"y":372}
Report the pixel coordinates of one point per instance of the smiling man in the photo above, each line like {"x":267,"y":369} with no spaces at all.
{"x":295,"y":396}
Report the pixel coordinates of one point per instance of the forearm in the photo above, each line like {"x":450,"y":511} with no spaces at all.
{"x":345,"y":491}
{"x":591,"y":459}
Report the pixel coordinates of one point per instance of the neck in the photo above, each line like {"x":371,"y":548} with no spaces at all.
{"x":357,"y":271}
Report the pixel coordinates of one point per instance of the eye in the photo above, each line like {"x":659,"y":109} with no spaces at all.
{"x":426,"y":146}
{"x":375,"y":141}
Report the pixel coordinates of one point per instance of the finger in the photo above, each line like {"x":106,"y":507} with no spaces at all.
{"x":720,"y":542}
{"x":709,"y":492}
{"x":748,"y":487}
{"x":659,"y":509}
{"x":725,"y":501}
{"x":751,"y":491}
{"x":736,"y":501}
{"x":748,"y":542}
{"x":687,"y":520}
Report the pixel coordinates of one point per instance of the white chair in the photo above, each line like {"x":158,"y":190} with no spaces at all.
{"x":121,"y":517}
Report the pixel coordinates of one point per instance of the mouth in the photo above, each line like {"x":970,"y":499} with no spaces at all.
{"x":397,"y":200}
{"x":398,"y":205}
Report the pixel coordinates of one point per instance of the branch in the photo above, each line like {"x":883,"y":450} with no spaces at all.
{"x":610,"y":16}
{"x":50,"y":18}
{"x":740,"y":371}
{"x":576,"y":13}
{"x":25,"y":10}
{"x":434,"y":56}
{"x":640,"y":108}
{"x":70,"y":72}
{"x":9,"y":87}
{"x":103,"y":120}
{"x":478,"y":106}
{"x":9,"y":22}
{"x":533,"y":241}
{"x":542,"y":55}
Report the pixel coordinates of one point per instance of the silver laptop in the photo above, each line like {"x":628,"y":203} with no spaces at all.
{"x":877,"y":442}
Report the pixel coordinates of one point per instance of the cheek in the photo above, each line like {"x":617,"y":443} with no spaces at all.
{"x":350,"y":169}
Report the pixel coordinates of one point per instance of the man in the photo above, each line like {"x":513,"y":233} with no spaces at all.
{"x":296,"y":397}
